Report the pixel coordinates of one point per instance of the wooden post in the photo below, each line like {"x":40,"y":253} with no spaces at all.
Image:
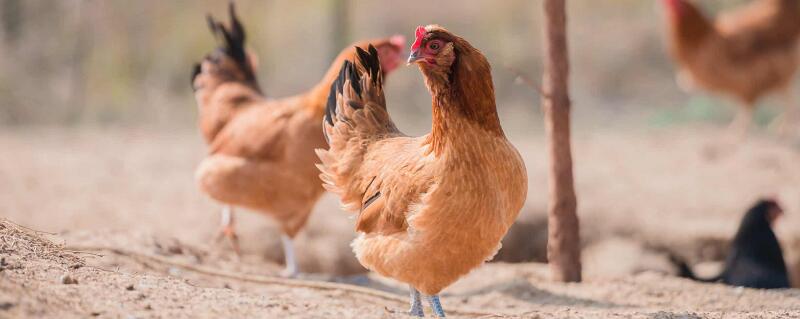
{"x":563,"y":242}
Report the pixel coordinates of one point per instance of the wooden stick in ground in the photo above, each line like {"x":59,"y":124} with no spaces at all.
{"x":563,"y":244}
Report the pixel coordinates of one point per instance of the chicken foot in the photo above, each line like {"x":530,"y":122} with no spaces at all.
{"x":227,"y":229}
{"x":734,"y":135}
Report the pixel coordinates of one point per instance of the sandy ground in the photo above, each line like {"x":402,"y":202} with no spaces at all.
{"x":640,"y":192}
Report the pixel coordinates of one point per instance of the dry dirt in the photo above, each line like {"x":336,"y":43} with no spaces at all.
{"x":119,"y":213}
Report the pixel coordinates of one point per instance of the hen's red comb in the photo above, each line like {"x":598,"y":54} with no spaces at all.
{"x":675,"y":5}
{"x":419,"y":34}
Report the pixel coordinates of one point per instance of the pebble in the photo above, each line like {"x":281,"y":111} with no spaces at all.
{"x":68,"y":280}
{"x":174,"y":272}
{"x":129,"y":287}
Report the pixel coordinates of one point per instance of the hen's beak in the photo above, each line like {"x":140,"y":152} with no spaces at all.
{"x":414,"y":57}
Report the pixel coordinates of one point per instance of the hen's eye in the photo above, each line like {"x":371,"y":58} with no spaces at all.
{"x":434,"y":46}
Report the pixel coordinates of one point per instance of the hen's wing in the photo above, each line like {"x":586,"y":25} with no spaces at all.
{"x":257,"y":133}
{"x":376,"y":170}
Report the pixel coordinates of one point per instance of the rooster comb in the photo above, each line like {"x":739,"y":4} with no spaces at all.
{"x":419,"y":35}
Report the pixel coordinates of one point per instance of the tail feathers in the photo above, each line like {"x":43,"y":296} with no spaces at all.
{"x":196,"y":70}
{"x":684,"y":271}
{"x":356,"y":99}
{"x":348,"y":72}
{"x":370,"y":62}
{"x":233,"y":37}
{"x":231,"y":46}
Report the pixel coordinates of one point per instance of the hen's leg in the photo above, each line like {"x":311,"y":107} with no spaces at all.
{"x":436,"y":306}
{"x":416,"y":304}
{"x":734,"y":134}
{"x":288,"y":252}
{"x":740,"y":126}
{"x":783,"y":124}
{"x":227,"y":228}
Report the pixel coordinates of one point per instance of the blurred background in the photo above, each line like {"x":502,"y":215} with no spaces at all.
{"x":97,"y":122}
{"x":110,"y":63}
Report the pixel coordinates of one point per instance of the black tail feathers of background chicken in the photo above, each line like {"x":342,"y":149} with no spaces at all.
{"x":196,"y":70}
{"x":369,"y":62}
{"x":232,"y":43}
{"x":755,"y":259}
{"x":685,"y":271}
{"x":233,"y":37}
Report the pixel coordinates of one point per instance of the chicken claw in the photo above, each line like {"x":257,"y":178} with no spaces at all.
{"x":227,"y":229}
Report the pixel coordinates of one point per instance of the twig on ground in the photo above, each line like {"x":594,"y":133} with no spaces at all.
{"x":29,"y":229}
{"x":274,"y":280}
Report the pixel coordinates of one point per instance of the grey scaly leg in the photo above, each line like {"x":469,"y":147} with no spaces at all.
{"x":436,"y":306}
{"x":416,"y":304}
{"x":288,"y":251}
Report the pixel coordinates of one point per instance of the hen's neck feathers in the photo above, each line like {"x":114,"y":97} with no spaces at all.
{"x":466,"y":96}
{"x":689,"y":25}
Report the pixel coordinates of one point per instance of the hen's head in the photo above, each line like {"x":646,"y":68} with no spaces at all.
{"x":230,"y":61}
{"x":682,"y":10}
{"x":674,"y":7}
{"x":761,"y":217}
{"x":443,"y":56}
{"x":770,"y":208}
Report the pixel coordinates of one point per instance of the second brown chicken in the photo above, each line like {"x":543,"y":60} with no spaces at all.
{"x":745,"y":53}
{"x":261,"y":150}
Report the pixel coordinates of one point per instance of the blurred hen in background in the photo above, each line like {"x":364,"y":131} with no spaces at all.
{"x":745,"y":54}
{"x":755,"y":258}
{"x":261,"y":151}
{"x":434,"y":207}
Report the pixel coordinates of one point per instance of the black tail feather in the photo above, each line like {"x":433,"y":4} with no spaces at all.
{"x":233,"y":38}
{"x":371,"y":63}
{"x":336,"y":88}
{"x":684,"y":271}
{"x":368,"y":59}
{"x":231,"y":41}
{"x":237,"y":31}
{"x":213,"y":26}
{"x":195,"y":72}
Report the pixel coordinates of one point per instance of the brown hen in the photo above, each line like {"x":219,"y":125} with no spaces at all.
{"x":261,"y":150}
{"x":746,"y":53}
{"x":430,"y":208}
